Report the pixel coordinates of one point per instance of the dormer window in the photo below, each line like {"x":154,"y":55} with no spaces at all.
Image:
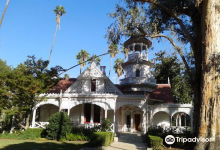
{"x":93,"y":85}
{"x":137,"y":73}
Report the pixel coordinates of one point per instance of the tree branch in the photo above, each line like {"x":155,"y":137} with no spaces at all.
{"x":177,"y":48}
{"x":179,"y":21}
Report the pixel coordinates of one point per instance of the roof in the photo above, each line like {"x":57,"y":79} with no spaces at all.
{"x":62,"y":85}
{"x":162,"y":92}
{"x":137,"y":39}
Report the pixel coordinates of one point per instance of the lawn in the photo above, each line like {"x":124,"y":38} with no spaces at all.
{"x":8,"y":144}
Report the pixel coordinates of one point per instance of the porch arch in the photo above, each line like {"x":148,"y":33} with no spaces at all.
{"x":161,"y":118}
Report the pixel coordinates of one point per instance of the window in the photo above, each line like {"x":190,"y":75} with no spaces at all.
{"x":137,"y":73}
{"x":93,"y":85}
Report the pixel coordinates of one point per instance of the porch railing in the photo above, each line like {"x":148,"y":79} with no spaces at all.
{"x":171,"y":129}
{"x":40,"y":124}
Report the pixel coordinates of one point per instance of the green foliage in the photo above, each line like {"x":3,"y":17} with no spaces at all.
{"x":95,"y":59}
{"x":105,"y":124}
{"x":170,"y":66}
{"x":59,"y":126}
{"x":59,"y":10}
{"x":102,"y":139}
{"x":82,"y":56}
{"x":76,"y":137}
{"x":113,"y":50}
{"x":118,"y":66}
{"x":20,"y":87}
{"x":155,"y":142}
{"x":31,"y":133}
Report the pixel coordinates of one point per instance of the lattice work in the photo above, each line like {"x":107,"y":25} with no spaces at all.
{"x":76,"y":87}
{"x":109,"y":88}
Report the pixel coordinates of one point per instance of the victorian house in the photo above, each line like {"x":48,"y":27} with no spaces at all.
{"x":135,"y":104}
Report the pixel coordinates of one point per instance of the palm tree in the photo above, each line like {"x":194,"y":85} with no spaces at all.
{"x":118,"y":67}
{"x":125,"y":51}
{"x":113,"y":50}
{"x":4,"y":12}
{"x":95,"y":59}
{"x":82,"y":56}
{"x":59,"y":10}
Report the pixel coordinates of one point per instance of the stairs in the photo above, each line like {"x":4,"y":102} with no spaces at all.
{"x":128,"y":137}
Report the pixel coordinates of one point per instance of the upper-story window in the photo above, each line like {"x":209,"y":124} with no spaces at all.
{"x":93,"y":85}
{"x":137,"y":73}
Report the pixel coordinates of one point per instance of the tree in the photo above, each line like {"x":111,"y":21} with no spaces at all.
{"x":82,"y":56}
{"x":3,"y":14}
{"x":118,"y":67}
{"x":59,"y":11}
{"x":96,"y":59}
{"x":195,"y":23}
{"x":113,"y":50}
{"x":170,"y":67}
{"x":24,"y":84}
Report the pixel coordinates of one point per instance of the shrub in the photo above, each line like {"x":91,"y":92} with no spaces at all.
{"x":99,"y":139}
{"x":106,"y":124}
{"x":155,"y":142}
{"x":76,"y":137}
{"x":59,"y":126}
{"x":30,"y":133}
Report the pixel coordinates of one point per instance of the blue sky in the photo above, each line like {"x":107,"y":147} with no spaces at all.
{"x":29,"y":25}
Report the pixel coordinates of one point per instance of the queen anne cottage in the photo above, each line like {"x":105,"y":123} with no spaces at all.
{"x":135,"y":104}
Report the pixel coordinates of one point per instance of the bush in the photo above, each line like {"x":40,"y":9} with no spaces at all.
{"x":76,"y":137}
{"x":99,"y":139}
{"x":59,"y":126}
{"x":105,"y":124}
{"x":155,"y":142}
{"x":30,"y":133}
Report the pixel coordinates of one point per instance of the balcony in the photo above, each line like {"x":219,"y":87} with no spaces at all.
{"x":137,"y":56}
{"x":138,"y":80}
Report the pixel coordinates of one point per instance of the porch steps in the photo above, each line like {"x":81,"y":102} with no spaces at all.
{"x":130,"y":137}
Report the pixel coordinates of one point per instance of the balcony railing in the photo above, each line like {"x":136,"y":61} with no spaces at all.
{"x":138,"y":80}
{"x":137,"y":55}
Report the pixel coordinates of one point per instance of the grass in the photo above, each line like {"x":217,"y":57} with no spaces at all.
{"x":8,"y":144}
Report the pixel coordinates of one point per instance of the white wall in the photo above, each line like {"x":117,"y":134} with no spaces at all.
{"x":75,"y":114}
{"x":46,"y":111}
{"x":161,"y":119}
{"x":110,"y":115}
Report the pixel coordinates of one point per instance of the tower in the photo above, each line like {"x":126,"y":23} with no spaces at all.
{"x":137,"y":67}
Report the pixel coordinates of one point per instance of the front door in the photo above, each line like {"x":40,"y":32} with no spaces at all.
{"x":137,"y":122}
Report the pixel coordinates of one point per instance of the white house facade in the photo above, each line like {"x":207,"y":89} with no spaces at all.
{"x":135,"y":104}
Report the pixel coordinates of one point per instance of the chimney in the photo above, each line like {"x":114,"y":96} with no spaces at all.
{"x":102,"y":68}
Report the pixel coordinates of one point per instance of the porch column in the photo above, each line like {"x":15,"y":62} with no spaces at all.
{"x":33,"y":118}
{"x":114,"y":123}
{"x":106,"y":113}
{"x":176,"y":120}
{"x":122,"y":119}
{"x":82,"y":114}
{"x":191,"y":121}
{"x":151,"y":117}
{"x":144,"y":122}
{"x":171,"y":121}
{"x":92,"y":114}
{"x":132,"y":121}
{"x":185,"y":119}
{"x":101,"y":114}
{"x":147,"y":121}
{"x":180,"y":120}
{"x":68,"y":112}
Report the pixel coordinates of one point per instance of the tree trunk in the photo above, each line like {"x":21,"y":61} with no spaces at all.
{"x":209,"y":119}
{"x":28,"y":121}
{"x":6,"y":6}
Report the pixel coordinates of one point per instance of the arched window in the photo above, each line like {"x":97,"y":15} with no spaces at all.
{"x":137,"y":73}
{"x":93,"y":85}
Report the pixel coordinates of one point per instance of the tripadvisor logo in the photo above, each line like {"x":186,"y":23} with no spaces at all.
{"x":170,"y":139}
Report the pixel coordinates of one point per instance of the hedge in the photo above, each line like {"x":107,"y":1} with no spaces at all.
{"x":76,"y":137}
{"x":30,"y":133}
{"x":155,"y":142}
{"x":99,"y":139}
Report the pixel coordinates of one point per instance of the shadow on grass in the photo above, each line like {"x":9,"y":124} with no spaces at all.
{"x":41,"y":145}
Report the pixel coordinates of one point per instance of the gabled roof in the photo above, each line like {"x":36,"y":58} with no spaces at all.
{"x":162,"y":92}
{"x":93,"y":72}
{"x":63,"y":85}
